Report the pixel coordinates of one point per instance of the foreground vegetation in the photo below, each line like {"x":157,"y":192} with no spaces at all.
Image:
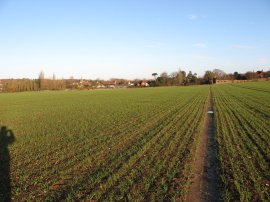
{"x":103,"y":145}
{"x":133,"y":143}
{"x":242,"y":114}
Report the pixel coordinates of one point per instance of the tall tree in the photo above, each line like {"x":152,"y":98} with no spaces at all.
{"x":41,"y":79}
{"x":180,"y":77}
{"x":163,"y":79}
{"x":155,"y":75}
{"x":208,"y":76}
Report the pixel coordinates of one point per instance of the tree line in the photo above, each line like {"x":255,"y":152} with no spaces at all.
{"x":209,"y":77}
{"x":175,"y":78}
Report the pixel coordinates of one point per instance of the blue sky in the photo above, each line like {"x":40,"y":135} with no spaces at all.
{"x":132,"y":39}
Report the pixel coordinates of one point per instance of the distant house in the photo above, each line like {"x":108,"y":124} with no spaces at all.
{"x":84,"y":84}
{"x":109,"y":84}
{"x":80,"y":84}
{"x":142,"y":84}
{"x":100,"y":85}
{"x":123,"y":84}
{"x":260,"y":74}
{"x":130,"y":84}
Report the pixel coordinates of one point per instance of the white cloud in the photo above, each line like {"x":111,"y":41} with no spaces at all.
{"x":192,"y":16}
{"x":200,"y":45}
{"x":241,"y":46}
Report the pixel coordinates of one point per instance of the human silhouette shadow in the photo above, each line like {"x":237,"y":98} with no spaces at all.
{"x":6,"y":138}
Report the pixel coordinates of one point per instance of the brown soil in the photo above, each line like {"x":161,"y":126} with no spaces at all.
{"x":204,"y":185}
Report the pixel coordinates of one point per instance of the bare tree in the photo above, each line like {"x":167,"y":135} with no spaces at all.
{"x":219,"y":74}
{"x":41,"y":79}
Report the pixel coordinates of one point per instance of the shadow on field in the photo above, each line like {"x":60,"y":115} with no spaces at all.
{"x":6,"y":138}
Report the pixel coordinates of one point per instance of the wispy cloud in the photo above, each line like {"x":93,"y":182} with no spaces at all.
{"x":241,"y":46}
{"x":192,"y":16}
{"x":200,"y":45}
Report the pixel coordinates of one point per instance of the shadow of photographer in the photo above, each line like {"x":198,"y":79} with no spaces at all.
{"x":6,"y":139}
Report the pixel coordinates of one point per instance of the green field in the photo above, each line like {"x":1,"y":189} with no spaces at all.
{"x":133,"y":143}
{"x":111,"y":144}
{"x":242,"y":116}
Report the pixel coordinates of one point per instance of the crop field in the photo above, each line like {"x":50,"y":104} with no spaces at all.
{"x":242,"y":117}
{"x":102,"y":145}
{"x":132,"y":144}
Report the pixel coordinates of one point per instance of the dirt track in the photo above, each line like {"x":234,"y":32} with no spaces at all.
{"x":204,"y":185}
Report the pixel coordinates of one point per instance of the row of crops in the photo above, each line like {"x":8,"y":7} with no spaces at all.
{"x":242,"y":119}
{"x":136,"y":144}
{"x":103,"y":145}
